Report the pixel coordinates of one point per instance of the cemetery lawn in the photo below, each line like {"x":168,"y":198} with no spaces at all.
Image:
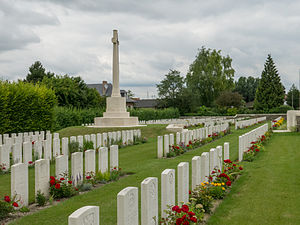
{"x":269,"y":190}
{"x":139,"y":159}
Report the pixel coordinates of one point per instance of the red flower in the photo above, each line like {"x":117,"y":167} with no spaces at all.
{"x":30,"y":162}
{"x":89,"y":177}
{"x":175,"y":208}
{"x":190,"y":142}
{"x":52,"y":182}
{"x":257,"y":150}
{"x":190,"y":192}
{"x":186,"y":223}
{"x":15,"y":204}
{"x":178,"y":221}
{"x":213,"y":172}
{"x":191,"y":213}
{"x":185,"y":208}
{"x":234,"y":164}
{"x":177,"y":147}
{"x":183,"y":217}
{"x":194,"y":219}
{"x":188,"y":146}
{"x":228,"y":183}
{"x":52,"y":177}
{"x":210,"y":178}
{"x":227,"y":161}
{"x":32,"y":142}
{"x":70,"y":182}
{"x":57,"y":186}
{"x":62,"y":178}
{"x":241,"y":168}
{"x":7,"y":198}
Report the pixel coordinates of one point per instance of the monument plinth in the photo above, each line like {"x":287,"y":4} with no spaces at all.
{"x":116,"y":114}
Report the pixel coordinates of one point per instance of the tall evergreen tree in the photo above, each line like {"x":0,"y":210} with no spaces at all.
{"x":293,"y":97}
{"x":270,"y":92}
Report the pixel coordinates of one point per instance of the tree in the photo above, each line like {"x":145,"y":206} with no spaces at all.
{"x":270,"y":92}
{"x":73,"y":92}
{"x":209,"y":75}
{"x":130,"y":94}
{"x":170,"y":88}
{"x":229,"y":99}
{"x":247,"y":86}
{"x":293,"y":97}
{"x":37,"y":73}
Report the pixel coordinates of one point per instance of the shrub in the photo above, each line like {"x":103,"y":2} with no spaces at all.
{"x":87,"y":145}
{"x":67,"y":117}
{"x":61,"y":188}
{"x":155,"y":114}
{"x":201,"y":195}
{"x":5,"y":209}
{"x":73,"y":147}
{"x":281,"y":109}
{"x":40,"y":198}
{"x":25,"y":107}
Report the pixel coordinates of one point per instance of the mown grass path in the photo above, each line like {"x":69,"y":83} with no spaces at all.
{"x":269,"y":190}
{"x":139,"y":159}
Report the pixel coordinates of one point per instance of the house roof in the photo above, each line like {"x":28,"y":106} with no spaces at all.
{"x":99,"y":88}
{"x":145,"y":103}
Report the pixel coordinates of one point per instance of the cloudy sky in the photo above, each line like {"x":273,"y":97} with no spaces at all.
{"x":74,"y":37}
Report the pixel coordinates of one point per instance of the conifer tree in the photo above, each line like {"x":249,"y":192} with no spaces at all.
{"x":270,"y":92}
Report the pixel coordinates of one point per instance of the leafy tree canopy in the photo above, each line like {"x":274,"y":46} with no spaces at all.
{"x":170,"y":89}
{"x":209,"y":75}
{"x":37,"y":73}
{"x":293,"y":97}
{"x":73,"y":92}
{"x":270,"y":92}
{"x":247,"y":86}
{"x":229,"y":99}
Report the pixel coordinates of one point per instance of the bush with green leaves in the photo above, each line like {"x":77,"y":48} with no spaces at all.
{"x":87,"y":145}
{"x":40,"y":198}
{"x":155,"y":114}
{"x":5,"y":209}
{"x":68,"y":116}
{"x":25,"y":107}
{"x":73,"y":147}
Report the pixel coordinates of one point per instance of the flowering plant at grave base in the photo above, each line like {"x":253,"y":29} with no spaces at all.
{"x":7,"y":206}
{"x":216,"y":189}
{"x":3,"y":169}
{"x":277,"y":123}
{"x":61,"y":188}
{"x":254,"y":149}
{"x":30,"y":164}
{"x":116,"y":173}
{"x":90,"y":177}
{"x":190,"y":213}
{"x":201,"y":195}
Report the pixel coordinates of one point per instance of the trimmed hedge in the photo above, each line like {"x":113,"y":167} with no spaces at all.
{"x":67,"y":117}
{"x":25,"y":107}
{"x":155,"y":114}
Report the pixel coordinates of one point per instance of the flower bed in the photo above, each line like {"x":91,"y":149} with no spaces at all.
{"x":277,"y":124}
{"x":176,"y":150}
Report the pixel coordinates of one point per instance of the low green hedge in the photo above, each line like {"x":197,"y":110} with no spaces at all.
{"x":155,"y":114}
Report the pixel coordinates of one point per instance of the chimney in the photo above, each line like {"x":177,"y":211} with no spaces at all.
{"x":104,"y":87}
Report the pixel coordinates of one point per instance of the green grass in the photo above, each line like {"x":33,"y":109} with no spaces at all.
{"x":268,"y":191}
{"x":138,"y":159}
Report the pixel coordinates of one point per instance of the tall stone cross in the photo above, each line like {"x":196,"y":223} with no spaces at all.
{"x":116,"y":88}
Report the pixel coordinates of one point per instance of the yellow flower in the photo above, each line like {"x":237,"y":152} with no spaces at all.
{"x":223,"y":184}
{"x":202,"y":184}
{"x":223,"y":188}
{"x":219,"y":184}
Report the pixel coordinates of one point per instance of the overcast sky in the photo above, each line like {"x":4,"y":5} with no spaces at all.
{"x":74,"y":37}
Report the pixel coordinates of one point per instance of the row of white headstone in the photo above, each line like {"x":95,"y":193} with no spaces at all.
{"x":127,"y":199}
{"x":276,"y":120}
{"x":164,"y":143}
{"x":52,"y":147}
{"x":246,"y":123}
{"x":207,"y":121}
{"x":19,"y":172}
{"x":251,"y":136}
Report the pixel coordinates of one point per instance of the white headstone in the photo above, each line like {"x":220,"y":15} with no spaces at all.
{"x":219,"y":157}
{"x":167,"y":190}
{"x":114,"y":157}
{"x":226,"y":150}
{"x":128,"y":211}
{"x":149,"y":201}
{"x":183,"y":182}
{"x":80,"y":141}
{"x":103,"y":159}
{"x":65,"y":146}
{"x":73,"y":139}
{"x":55,"y":135}
{"x":166,"y":144}
{"x":56,"y":147}
{"x":160,"y":150}
{"x":27,"y":152}
{"x":93,"y":139}
{"x":42,"y":174}
{"x":87,"y":215}
{"x":104,"y":139}
{"x":212,"y":160}
{"x":47,"y":149}
{"x":99,"y":140}
{"x":4,"y":157}
{"x":90,"y":161}
{"x":171,"y":139}
{"x":61,"y":166}
{"x":196,"y":171}
{"x":204,"y":167}
{"x":87,"y":137}
{"x":177,"y":138}
{"x":19,"y":183}
{"x":17,"y":153}
{"x":38,"y":149}
{"x":77,"y":167}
